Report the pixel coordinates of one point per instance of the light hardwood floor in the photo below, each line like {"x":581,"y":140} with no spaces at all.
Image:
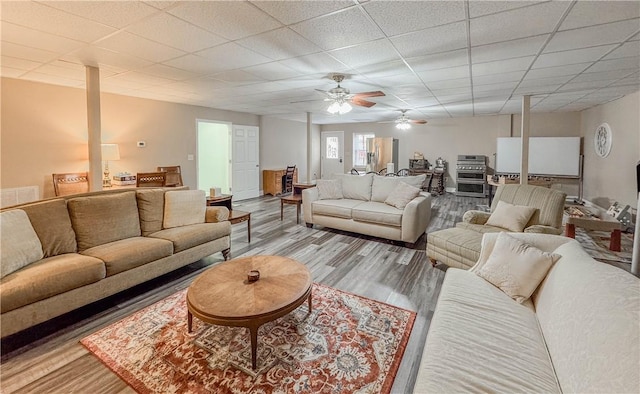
{"x":50,"y":359}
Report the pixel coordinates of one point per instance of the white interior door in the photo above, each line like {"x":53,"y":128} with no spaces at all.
{"x":245,"y":179}
{"x":332,"y":153}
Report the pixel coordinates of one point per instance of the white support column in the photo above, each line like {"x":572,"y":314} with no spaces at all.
{"x":524,"y":138}
{"x":94,"y":130}
{"x":309,"y":147}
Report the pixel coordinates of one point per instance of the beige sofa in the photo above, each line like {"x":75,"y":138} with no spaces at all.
{"x":578,"y":333}
{"x":360,"y":207}
{"x":460,"y":246}
{"x":64,"y":253}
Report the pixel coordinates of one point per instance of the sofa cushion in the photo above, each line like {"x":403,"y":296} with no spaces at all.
{"x":49,"y":277}
{"x":129,"y":253}
{"x":376,"y":212}
{"x":336,"y":208}
{"x":356,"y":187}
{"x":115,"y":215}
{"x":329,"y":189}
{"x":481,"y":341}
{"x":402,"y":195}
{"x":456,"y":242}
{"x":515,"y":267}
{"x":479,"y":228}
{"x":186,"y":237}
{"x":184,"y":207}
{"x":150,"y":209}
{"x":51,"y":221}
{"x":382,"y":186}
{"x":20,"y":243}
{"x":511,"y":217}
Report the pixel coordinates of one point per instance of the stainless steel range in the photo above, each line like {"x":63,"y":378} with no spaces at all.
{"x":471,"y":176}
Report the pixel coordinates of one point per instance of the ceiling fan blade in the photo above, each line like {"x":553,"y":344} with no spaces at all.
{"x":362,"y":103}
{"x":369,"y":94}
{"x":418,"y":121}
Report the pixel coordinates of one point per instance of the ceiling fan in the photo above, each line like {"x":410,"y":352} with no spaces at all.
{"x":341,"y":99}
{"x":403,"y":122}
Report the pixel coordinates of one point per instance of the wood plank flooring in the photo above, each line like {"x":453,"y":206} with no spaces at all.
{"x":50,"y":359}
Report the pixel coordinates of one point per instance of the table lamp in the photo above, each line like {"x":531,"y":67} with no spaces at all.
{"x":109,"y":152}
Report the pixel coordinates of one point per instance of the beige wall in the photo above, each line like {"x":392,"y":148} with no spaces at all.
{"x":44,"y":131}
{"x":612,"y":178}
{"x":448,"y":138}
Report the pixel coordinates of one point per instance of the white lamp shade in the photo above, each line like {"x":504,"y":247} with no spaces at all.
{"x":110,"y":152}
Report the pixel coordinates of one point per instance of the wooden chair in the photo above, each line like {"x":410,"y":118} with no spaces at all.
{"x":70,"y":183}
{"x":287,"y":179}
{"x":354,"y":172}
{"x":403,"y":172}
{"x":151,"y":179}
{"x":174,"y":175}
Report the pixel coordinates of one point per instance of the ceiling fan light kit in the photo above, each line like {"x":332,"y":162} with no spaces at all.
{"x":403,"y":125}
{"x":339,"y":107}
{"x":341,"y":99}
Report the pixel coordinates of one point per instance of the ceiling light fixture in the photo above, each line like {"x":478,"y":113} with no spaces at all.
{"x":403,"y":124}
{"x":339,"y":106}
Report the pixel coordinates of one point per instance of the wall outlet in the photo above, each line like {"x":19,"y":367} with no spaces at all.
{"x":189,"y":157}
{"x":141,"y":144}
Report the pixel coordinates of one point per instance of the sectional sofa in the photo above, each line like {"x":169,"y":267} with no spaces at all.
{"x":64,"y":253}
{"x":578,"y":333}
{"x":387,"y":207}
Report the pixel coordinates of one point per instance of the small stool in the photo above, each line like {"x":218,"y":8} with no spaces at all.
{"x":291,"y":199}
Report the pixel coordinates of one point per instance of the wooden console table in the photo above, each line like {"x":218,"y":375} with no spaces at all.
{"x":272,"y":180}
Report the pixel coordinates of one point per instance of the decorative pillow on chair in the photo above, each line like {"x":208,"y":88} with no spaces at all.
{"x":402,"y":195}
{"x":329,"y":189}
{"x":510,"y":217}
{"x":515,"y":267}
{"x":184,"y":207}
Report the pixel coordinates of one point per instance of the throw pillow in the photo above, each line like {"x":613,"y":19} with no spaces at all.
{"x":329,"y":189}
{"x":515,"y":267}
{"x":402,"y":195}
{"x":184,"y":207}
{"x":356,"y":187}
{"x":510,"y":217}
{"x":20,"y":243}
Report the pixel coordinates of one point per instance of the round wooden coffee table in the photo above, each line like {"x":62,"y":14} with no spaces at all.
{"x":223,"y":295}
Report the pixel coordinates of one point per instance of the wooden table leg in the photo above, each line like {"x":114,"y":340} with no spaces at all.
{"x":570,"y":230}
{"x":249,"y":229}
{"x":616,"y":236}
{"x":281,"y":209}
{"x":189,"y":321}
{"x":298,"y":213}
{"x":254,"y":346}
{"x":310,"y":301}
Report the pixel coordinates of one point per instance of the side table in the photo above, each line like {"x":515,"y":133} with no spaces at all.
{"x":236,"y":216}
{"x":291,"y":199}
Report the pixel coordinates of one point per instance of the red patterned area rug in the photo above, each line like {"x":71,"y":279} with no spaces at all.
{"x":347,"y":344}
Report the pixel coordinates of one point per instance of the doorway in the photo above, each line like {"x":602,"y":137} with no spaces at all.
{"x":332,"y":153}
{"x":246,"y":166}
{"x":213,"y":155}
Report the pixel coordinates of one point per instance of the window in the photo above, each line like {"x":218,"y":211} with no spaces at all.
{"x":332,"y":147}
{"x":360,"y":149}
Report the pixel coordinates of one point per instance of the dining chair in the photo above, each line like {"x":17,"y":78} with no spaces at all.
{"x":354,"y":172}
{"x":174,"y":175}
{"x":403,"y":172}
{"x":288,"y":179}
{"x":70,"y":183}
{"x":151,"y":179}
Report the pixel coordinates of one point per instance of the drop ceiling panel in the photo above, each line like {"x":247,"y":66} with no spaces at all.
{"x":234,"y":56}
{"x":625,"y":63}
{"x":133,"y":45}
{"x":115,"y":13}
{"x":513,"y":76}
{"x":36,"y":39}
{"x":444,"y":73}
{"x":18,"y":64}
{"x":289,"y":12}
{"x":315,"y":63}
{"x":450,"y":84}
{"x":164,"y":71}
{"x":503,"y":66}
{"x":437,"y":39}
{"x":628,"y":49}
{"x":280,"y":44}
{"x":238,"y":77}
{"x":348,"y":27}
{"x":602,"y":75}
{"x":272,"y":71}
{"x":587,"y":13}
{"x":549,"y":72}
{"x":387,"y":69}
{"x":402,"y":17}
{"x":397,"y":80}
{"x":9,"y":72}
{"x":477,"y":8}
{"x":508,"y":49}
{"x":27,"y":53}
{"x":611,"y":33}
{"x":93,"y":56}
{"x":373,"y":52}
{"x":195,"y":64}
{"x":540,"y":19}
{"x":571,"y":57}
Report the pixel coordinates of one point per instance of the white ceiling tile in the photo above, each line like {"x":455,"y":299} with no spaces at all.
{"x":490,"y":106}
{"x":588,"y":13}
{"x":372,"y":52}
{"x":9,"y":72}
{"x":68,"y":70}
{"x":628,"y":49}
{"x":549,"y":72}
{"x":387,"y":69}
{"x":503,"y":93}
{"x":574,"y":86}
{"x":540,"y":19}
{"x":280,"y":44}
{"x":44,"y":18}
{"x":536,"y":90}
{"x":532,"y":82}
{"x":450,"y":84}
{"x":434,"y":40}
{"x":176,"y":33}
{"x":37,"y":39}
{"x":229,"y":19}
{"x":140,"y":78}
{"x":133,"y":45}
{"x":504,"y":66}
{"x":272,"y":71}
{"x":452,"y":91}
{"x":93,"y":56}
{"x":27,"y":53}
{"x":315,"y":63}
{"x":444,"y":73}
{"x":479,"y":8}
{"x":19,"y":64}
{"x":611,"y":33}
{"x":513,"y":76}
{"x":624,"y":63}
{"x":508,"y":49}
{"x":348,"y":27}
{"x":499,"y":86}
{"x":162,"y":4}
{"x":196,"y":64}
{"x":602,"y":75}
{"x":113,"y":13}
{"x":289,"y":12}
{"x":409,"y":91}
{"x":439,"y":60}
{"x":396,"y":80}
{"x":237,"y":77}
{"x":455,"y":99}
{"x":571,"y":57}
{"x":406,"y":16}
{"x":164,"y":71}
{"x":422,"y":102}
{"x":234,"y":56}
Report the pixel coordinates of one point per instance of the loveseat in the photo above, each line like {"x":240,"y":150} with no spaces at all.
{"x":387,"y":207}
{"x":578,"y":333}
{"x":460,"y":246}
{"x":63,"y":253}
